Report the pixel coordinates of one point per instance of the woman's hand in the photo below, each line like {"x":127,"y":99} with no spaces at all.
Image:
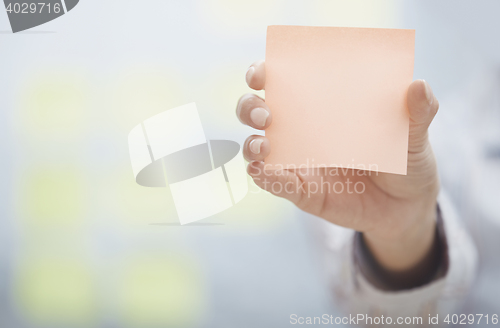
{"x":396,"y":213}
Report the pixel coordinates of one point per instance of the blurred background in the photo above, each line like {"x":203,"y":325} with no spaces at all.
{"x":82,"y":245}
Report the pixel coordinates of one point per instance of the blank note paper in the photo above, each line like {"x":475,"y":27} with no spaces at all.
{"x":338,"y":97}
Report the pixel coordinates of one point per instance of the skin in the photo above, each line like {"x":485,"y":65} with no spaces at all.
{"x":396,"y":213}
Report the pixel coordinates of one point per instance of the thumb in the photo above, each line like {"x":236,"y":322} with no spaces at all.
{"x":423,"y":106}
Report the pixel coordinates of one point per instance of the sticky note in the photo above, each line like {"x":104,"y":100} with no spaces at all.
{"x":338,"y":97}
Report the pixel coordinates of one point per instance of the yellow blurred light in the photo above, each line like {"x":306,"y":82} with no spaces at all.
{"x":52,"y":196}
{"x":136,"y":204}
{"x":56,"y":292}
{"x":258,"y":210}
{"x":161,"y":292}
{"x":354,"y":13}
{"x":53,"y":106}
{"x":224,"y":89}
{"x":245,"y":18}
{"x":142,"y":92}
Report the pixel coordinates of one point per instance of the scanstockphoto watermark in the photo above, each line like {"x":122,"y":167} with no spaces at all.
{"x":311,"y":188}
{"x":315,"y":179}
{"x":367,"y":320}
{"x":358,"y":319}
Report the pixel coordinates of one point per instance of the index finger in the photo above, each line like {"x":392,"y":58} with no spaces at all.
{"x":256,"y":75}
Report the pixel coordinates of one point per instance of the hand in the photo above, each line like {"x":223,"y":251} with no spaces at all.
{"x":395,"y":213}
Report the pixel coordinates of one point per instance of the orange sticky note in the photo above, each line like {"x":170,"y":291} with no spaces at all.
{"x":338,"y":97}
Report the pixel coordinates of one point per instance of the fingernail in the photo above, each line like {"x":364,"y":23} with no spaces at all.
{"x":428,"y":93}
{"x":259,"y":116}
{"x":255,"y":145}
{"x":250,"y":73}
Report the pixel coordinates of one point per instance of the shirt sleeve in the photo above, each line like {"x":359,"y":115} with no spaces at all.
{"x":355,"y":295}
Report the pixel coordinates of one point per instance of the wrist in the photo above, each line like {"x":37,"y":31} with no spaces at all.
{"x":406,"y":246}
{"x":424,"y":272}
